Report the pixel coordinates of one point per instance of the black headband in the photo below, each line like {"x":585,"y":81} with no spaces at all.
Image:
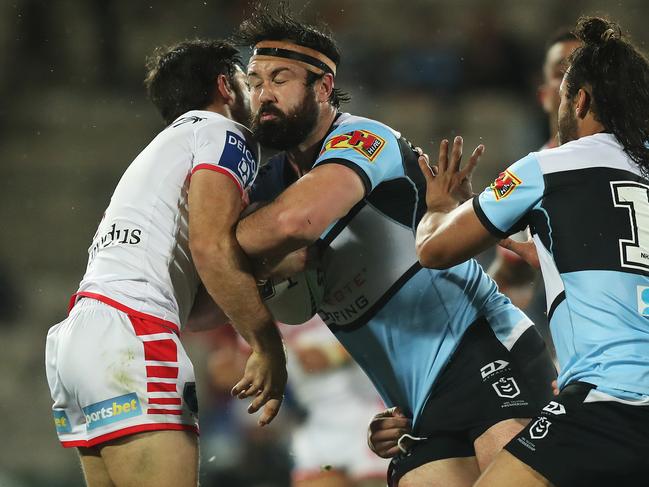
{"x":295,"y":56}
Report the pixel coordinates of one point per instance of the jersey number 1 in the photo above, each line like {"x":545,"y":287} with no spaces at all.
{"x":634,"y":252}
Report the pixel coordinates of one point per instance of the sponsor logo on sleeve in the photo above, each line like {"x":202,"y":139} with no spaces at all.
{"x":504,"y":184}
{"x":506,"y":387}
{"x":238,"y":158}
{"x":112,"y":410}
{"x":366,"y":143}
{"x":61,"y":422}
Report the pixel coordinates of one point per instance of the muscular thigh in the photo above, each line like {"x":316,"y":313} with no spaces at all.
{"x":94,"y":469}
{"x":508,"y":471}
{"x":155,"y":459}
{"x":492,"y":441}
{"x":450,"y":472}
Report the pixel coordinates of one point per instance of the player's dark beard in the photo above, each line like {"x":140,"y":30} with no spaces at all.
{"x":288,"y":130}
{"x":567,"y":126}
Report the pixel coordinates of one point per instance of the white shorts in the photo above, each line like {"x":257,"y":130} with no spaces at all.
{"x":336,"y":438}
{"x":115,"y":373}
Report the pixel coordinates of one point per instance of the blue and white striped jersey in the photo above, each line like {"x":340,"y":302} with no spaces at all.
{"x":400,"y":322}
{"x":587,"y":204}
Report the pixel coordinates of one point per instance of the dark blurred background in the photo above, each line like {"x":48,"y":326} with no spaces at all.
{"x":73,"y":114}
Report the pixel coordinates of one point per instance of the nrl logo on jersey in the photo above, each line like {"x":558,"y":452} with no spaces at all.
{"x":504,"y":184}
{"x":366,"y":143}
{"x":506,"y":387}
{"x":539,"y":429}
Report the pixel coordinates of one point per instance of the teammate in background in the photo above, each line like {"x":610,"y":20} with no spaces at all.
{"x":587,"y":202}
{"x":122,"y":384}
{"x":353,"y":185}
{"x":559,"y":49}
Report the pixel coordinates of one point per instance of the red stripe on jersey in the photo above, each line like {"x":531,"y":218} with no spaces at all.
{"x":162,"y":372}
{"x":128,"y":431}
{"x":166,"y":326}
{"x":161,"y":350}
{"x":221,"y":170}
{"x":177,"y":412}
{"x":165,"y":400}
{"x":161,"y":387}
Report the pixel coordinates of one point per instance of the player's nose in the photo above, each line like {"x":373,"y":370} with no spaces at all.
{"x":266,"y":94}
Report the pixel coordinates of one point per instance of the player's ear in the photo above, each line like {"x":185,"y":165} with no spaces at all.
{"x":224,"y":88}
{"x":582,"y":103}
{"x":325,"y":87}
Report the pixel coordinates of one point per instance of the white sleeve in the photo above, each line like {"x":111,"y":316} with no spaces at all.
{"x":225,"y":148}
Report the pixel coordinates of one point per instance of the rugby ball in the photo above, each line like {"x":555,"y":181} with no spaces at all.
{"x":295,"y":300}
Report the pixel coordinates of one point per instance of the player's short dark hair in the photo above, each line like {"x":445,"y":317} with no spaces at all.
{"x":618,"y":74}
{"x":183,"y":77}
{"x":564,"y":34}
{"x":268,"y":23}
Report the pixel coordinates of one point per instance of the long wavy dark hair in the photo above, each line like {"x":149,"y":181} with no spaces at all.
{"x":618,"y":74}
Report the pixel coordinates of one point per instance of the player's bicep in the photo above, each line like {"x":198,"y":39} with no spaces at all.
{"x":360,"y":172}
{"x":215,"y":205}
{"x":323,"y":195}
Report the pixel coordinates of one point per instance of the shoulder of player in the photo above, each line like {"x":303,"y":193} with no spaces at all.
{"x":218,"y":127}
{"x":369,"y":139}
{"x":216,"y":121}
{"x":348,"y":123}
{"x":204,"y":120}
{"x":585,"y":152}
{"x":566,"y":150}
